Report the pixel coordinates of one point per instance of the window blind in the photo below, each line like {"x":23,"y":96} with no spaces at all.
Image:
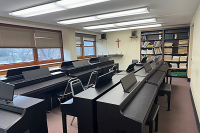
{"x":90,"y":38}
{"x":79,"y":39}
{"x":16,"y":38}
{"x":45,"y":39}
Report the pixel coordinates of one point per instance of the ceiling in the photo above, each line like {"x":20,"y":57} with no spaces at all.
{"x":167,"y":12}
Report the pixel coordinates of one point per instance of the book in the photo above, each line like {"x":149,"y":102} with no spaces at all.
{"x":183,"y":58}
{"x":168,"y":44}
{"x":183,"y":42}
{"x":150,"y":51}
{"x":144,"y":51}
{"x":168,"y":51}
{"x":182,"y":50}
{"x":183,"y":65}
{"x":174,"y":65}
{"x":176,"y":58}
{"x":167,"y":57}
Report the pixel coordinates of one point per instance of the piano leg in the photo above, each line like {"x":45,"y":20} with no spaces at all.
{"x":64,"y":122}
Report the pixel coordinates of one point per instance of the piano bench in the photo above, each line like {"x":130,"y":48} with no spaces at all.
{"x":165,"y":89}
{"x":153,"y":116}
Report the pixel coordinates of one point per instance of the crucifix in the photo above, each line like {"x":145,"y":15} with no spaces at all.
{"x":118,"y":42}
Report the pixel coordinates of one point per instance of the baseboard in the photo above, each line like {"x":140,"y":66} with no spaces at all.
{"x":195,"y":112}
{"x":188,"y":79}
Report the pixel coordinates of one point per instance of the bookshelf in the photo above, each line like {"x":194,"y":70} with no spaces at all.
{"x":151,"y":44}
{"x":174,"y":47}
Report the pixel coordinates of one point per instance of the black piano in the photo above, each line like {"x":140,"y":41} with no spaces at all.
{"x":121,"y":111}
{"x":39,"y":86}
{"x":83,"y":69}
{"x":83,"y":106}
{"x":23,"y":115}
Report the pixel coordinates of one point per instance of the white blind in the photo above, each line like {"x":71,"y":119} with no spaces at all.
{"x":48,"y":39}
{"x":91,"y":38}
{"x":16,"y":38}
{"x":79,"y":39}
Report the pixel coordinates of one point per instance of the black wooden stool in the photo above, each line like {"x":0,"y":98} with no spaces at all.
{"x":165,"y":89}
{"x":153,"y":116}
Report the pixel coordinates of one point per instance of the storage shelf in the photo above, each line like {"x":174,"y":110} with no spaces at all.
{"x":177,"y":39}
{"x":175,"y":54}
{"x":178,"y":68}
{"x":151,"y":54}
{"x":151,"y":34}
{"x":175,"y":46}
{"x":150,"y":47}
{"x":153,"y":40}
{"x":114,"y":55}
{"x":177,"y":61}
{"x":177,"y":76}
{"x":133,"y":36}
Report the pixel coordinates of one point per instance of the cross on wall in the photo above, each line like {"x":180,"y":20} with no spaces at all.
{"x":118,"y":42}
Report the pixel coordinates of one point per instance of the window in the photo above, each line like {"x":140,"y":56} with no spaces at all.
{"x":23,"y":46}
{"x":85,"y":46}
{"x":49,"y":54}
{"x":16,"y":55}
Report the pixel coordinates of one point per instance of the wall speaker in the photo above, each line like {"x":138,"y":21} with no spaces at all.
{"x":134,"y":33}
{"x":103,"y":36}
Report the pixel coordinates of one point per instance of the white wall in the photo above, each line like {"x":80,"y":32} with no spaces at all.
{"x":130,"y":48}
{"x":195,"y":71}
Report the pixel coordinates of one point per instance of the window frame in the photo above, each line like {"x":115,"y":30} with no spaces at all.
{"x":82,"y":47}
{"x":35,"y":52}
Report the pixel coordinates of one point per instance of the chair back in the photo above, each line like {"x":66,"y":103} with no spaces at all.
{"x":93,"y":79}
{"x":76,"y":87}
{"x":134,"y":61}
{"x":114,"y":68}
{"x":69,"y":81}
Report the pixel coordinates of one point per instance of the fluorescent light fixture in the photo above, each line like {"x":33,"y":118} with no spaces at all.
{"x":78,"y":3}
{"x":124,"y":13}
{"x":78,"y":20}
{"x":121,"y":24}
{"x":114,"y":30}
{"x":53,"y":7}
{"x":136,"y":22}
{"x":146,"y":26}
{"x":37,"y":10}
{"x":100,"y":26}
{"x":138,"y":27}
{"x":111,"y":15}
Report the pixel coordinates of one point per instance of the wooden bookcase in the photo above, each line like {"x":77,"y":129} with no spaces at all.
{"x":181,"y":33}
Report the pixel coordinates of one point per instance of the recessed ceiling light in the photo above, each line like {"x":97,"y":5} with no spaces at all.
{"x":53,"y":7}
{"x":129,"y":28}
{"x":111,"y":15}
{"x":121,"y":24}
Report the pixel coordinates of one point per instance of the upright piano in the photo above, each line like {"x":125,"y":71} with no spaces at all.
{"x":83,"y":106}
{"x":23,"y":115}
{"x":121,"y":111}
{"x":39,"y":87}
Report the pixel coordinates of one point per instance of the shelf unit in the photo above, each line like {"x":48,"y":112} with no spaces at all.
{"x":152,"y":36}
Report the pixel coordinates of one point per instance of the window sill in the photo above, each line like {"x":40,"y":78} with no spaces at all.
{"x":4,"y":71}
